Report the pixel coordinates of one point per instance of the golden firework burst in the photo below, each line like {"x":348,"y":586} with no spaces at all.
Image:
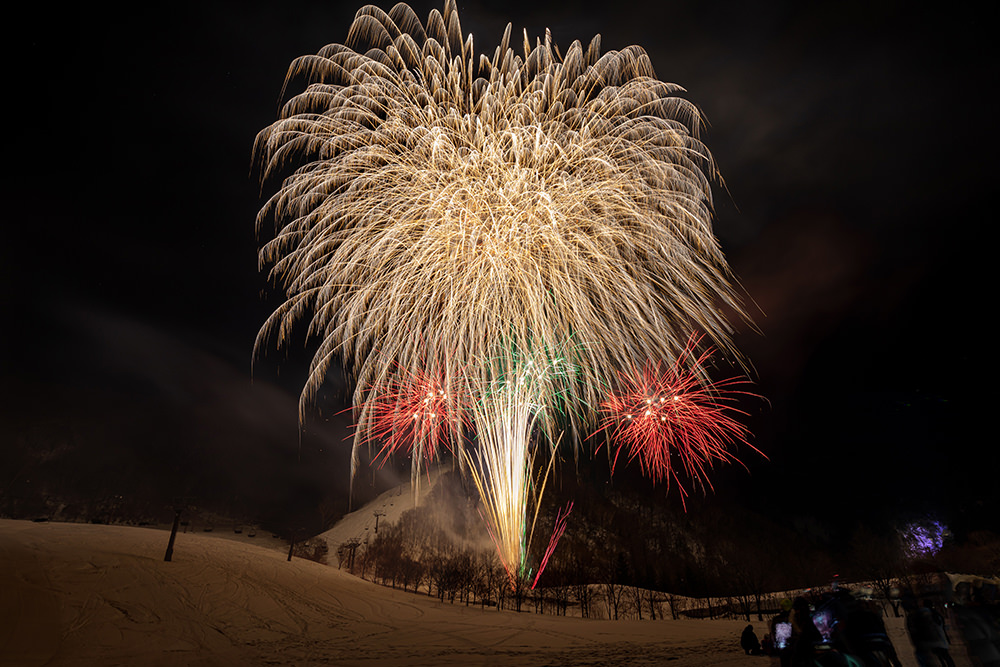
{"x":437,"y":209}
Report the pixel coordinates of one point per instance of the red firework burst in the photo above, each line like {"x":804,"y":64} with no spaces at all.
{"x":418,"y":413}
{"x":672,"y":418}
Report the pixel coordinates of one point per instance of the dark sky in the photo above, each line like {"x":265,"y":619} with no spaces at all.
{"x":855,"y":140}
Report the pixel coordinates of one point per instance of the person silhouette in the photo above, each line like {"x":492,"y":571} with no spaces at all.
{"x":748,"y":641}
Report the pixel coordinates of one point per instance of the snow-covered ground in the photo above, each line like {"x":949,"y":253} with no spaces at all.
{"x":83,"y":594}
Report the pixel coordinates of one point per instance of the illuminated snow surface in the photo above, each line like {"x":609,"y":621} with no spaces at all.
{"x":81,"y":594}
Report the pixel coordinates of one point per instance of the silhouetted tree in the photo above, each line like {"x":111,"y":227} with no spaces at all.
{"x":584,"y":573}
{"x":614,"y":580}
{"x":879,"y":558}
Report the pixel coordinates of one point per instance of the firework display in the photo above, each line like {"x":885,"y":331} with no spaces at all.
{"x":672,"y":418}
{"x":417,"y":413}
{"x":443,"y":220}
{"x":511,"y":407}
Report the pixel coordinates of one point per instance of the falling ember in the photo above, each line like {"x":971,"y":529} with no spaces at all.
{"x":673,"y":419}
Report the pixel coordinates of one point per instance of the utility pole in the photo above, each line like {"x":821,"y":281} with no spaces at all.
{"x":377,"y":514}
{"x":180,"y":504}
{"x":294,"y":540}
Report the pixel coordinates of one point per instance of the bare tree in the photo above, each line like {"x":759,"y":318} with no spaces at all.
{"x":519,"y":590}
{"x":558,"y":589}
{"x":502,"y":585}
{"x":482,"y":580}
{"x":614,"y":578}
{"x":410,"y":572}
{"x":583,"y":574}
{"x":440,"y":569}
{"x":879,"y":558}
{"x":654,"y":600}
{"x":635,"y":597}
{"x":464,"y":563}
{"x":386,"y":552}
{"x":560,"y":596}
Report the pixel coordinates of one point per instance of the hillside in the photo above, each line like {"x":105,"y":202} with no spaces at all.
{"x":82,"y":594}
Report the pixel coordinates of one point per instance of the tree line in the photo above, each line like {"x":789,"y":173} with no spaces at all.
{"x":620,"y":559}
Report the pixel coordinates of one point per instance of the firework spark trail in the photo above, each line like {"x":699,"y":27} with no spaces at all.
{"x":501,"y":471}
{"x":436,"y":208}
{"x":562,"y":516}
{"x":662,"y":414}
{"x":506,"y":417}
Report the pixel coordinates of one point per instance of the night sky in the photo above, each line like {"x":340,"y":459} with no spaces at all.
{"x":855,"y":140}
